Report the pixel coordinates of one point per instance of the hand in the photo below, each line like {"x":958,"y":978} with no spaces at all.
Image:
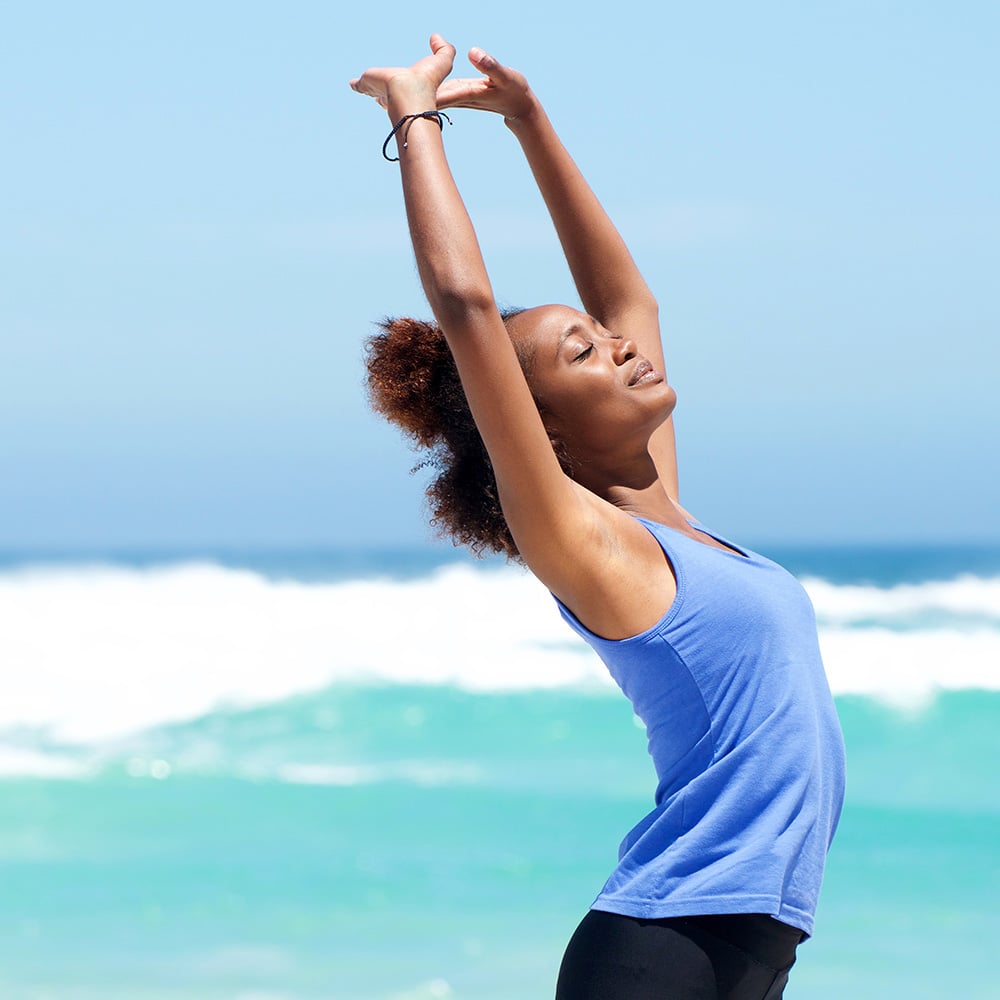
{"x":425,"y":75}
{"x":501,"y":89}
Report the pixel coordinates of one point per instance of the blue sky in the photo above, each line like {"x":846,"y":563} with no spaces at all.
{"x":198,"y":232}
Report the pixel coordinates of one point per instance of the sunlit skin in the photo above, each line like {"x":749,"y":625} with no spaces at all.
{"x":597,"y":394}
{"x":589,"y":381}
{"x":576,"y":414}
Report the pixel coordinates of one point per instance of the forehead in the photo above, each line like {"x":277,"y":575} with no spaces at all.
{"x":543,"y":328}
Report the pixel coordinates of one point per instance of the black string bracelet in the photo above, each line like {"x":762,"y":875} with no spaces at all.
{"x":435,"y":116}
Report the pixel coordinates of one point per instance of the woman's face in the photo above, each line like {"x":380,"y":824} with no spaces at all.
{"x":595,"y":391}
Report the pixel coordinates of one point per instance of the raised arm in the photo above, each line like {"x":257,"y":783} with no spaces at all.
{"x":547,"y":513}
{"x":610,"y":285}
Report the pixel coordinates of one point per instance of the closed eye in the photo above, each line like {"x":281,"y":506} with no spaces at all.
{"x":584,"y":354}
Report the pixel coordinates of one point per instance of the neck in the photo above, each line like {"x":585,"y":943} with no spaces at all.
{"x":633,"y":487}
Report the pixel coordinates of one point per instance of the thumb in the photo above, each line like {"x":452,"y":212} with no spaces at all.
{"x":486,"y":64}
{"x":439,"y":44}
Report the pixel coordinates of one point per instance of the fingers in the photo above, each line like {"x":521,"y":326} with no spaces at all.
{"x":361,"y":85}
{"x":464,"y":93}
{"x":438,"y":43}
{"x":443,"y":51}
{"x":437,"y":65}
{"x":487,"y":64}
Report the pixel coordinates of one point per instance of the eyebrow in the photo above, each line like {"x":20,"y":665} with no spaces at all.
{"x":576,"y":327}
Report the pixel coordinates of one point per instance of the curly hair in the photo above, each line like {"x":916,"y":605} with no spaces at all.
{"x":413,"y":382}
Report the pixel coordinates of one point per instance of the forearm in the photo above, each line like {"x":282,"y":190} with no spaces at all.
{"x":606,"y":276}
{"x":448,"y":257}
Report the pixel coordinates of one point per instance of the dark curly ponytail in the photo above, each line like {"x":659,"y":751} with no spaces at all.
{"x":413,"y":382}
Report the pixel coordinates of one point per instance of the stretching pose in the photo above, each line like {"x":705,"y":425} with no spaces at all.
{"x":551,"y":430}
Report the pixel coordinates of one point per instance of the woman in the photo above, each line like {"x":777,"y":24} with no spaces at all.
{"x":715,"y":646}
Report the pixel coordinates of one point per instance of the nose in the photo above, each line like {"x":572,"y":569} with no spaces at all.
{"x":624,"y":350}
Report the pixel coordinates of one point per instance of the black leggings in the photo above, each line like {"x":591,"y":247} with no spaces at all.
{"x":744,"y":956}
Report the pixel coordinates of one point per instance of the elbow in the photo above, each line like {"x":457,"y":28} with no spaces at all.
{"x":645,"y":309}
{"x":456,"y":303}
{"x":453,"y":288}
{"x":647,"y":302}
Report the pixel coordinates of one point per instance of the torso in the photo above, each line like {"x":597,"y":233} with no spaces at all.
{"x":743,"y":733}
{"x":629,"y":585}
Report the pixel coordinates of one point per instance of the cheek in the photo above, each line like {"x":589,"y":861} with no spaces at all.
{"x":595,"y":423}
{"x":566,"y":407}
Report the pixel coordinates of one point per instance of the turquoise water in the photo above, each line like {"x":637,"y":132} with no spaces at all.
{"x":343,"y":816}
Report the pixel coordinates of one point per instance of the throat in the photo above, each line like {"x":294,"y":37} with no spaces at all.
{"x":650,"y":502}
{"x":634,"y":488}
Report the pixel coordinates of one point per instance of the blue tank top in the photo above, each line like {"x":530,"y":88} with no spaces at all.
{"x":744,"y":737}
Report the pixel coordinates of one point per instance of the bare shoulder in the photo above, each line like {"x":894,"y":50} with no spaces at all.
{"x":614,"y":576}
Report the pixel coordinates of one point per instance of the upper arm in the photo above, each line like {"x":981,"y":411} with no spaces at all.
{"x":641,"y":324}
{"x":599,"y":560}
{"x":610,"y":284}
{"x":544,"y":509}
{"x":663,"y":451}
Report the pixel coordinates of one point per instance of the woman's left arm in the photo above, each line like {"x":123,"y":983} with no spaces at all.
{"x":610,"y":284}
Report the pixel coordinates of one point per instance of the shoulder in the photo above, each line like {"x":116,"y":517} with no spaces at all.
{"x":611,"y":572}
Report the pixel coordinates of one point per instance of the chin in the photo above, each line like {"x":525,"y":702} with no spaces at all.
{"x":669,"y":400}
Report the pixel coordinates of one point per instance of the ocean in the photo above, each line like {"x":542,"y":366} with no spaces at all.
{"x":396,"y":775}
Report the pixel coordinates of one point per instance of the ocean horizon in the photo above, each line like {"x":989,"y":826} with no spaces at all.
{"x":393,"y":774}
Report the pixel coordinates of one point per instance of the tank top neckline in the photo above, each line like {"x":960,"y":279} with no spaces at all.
{"x":730,"y":549}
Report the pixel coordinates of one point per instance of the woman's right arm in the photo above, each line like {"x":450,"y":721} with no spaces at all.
{"x":547,"y":513}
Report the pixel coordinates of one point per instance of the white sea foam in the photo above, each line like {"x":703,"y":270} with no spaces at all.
{"x":90,"y":654}
{"x":435,"y":989}
{"x":25,"y":762}
{"x":965,"y":599}
{"x":427,"y":773}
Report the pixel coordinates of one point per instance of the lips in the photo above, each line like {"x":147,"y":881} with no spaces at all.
{"x":642,"y":368}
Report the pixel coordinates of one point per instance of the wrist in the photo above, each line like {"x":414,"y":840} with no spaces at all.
{"x":408,"y":95}
{"x":528,"y":117}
